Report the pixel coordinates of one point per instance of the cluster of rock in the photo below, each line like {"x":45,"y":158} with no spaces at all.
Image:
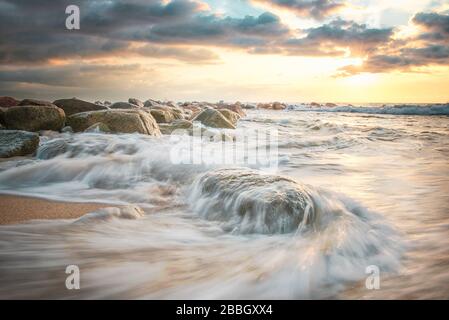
{"x":272,"y":106}
{"x":20,"y":121}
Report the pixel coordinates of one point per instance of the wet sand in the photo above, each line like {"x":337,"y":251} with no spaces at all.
{"x":14,"y":209}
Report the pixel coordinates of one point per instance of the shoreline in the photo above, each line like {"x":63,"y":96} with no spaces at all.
{"x":20,"y":209}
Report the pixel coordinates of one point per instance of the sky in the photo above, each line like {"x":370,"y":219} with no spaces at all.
{"x":343,"y":51}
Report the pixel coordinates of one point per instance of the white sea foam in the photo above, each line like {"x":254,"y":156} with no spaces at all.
{"x":186,"y":242}
{"x":424,"y":110}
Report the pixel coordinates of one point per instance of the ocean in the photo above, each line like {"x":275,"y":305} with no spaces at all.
{"x":378,"y":179}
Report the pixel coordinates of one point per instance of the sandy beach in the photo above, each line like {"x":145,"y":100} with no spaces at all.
{"x":14,"y":209}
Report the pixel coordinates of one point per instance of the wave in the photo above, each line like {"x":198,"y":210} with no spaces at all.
{"x":424,"y":110}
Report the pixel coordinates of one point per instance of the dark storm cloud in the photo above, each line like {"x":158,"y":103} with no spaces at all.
{"x":317,"y":9}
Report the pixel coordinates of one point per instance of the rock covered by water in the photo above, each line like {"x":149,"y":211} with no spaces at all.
{"x":17,"y":143}
{"x":130,"y":212}
{"x":249,"y":201}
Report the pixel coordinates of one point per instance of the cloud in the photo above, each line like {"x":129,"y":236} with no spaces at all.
{"x":430,"y":47}
{"x":337,"y":38}
{"x":185,"y":54}
{"x":73,"y":75}
{"x":436,"y":25}
{"x":36,"y":34}
{"x":214,"y":30}
{"x":317,"y":9}
{"x":34,"y":31}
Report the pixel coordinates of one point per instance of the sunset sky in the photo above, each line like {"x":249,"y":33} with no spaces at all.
{"x":249,"y":50}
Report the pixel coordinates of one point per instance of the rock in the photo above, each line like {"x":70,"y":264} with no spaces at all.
{"x":73,"y":106}
{"x":237,"y":108}
{"x":232,"y":116}
{"x":67,"y":130}
{"x":166,"y":114}
{"x":278,"y":106}
{"x":162,"y":116}
{"x":168,"y":128}
{"x":314,"y":104}
{"x":118,"y":121}
{"x":99,"y":103}
{"x":248,"y":201}
{"x":272,"y":106}
{"x":178,"y":113}
{"x":192,"y":108}
{"x":123,"y":105}
{"x":6,"y":102}
{"x":99,"y":127}
{"x":33,"y":118}
{"x":136,"y":102}
{"x":34,"y":102}
{"x":249,"y":106}
{"x":213,"y":118}
{"x":330,"y":105}
{"x":51,"y":149}
{"x":107,"y":103}
{"x":15,"y":143}
{"x":151,"y":103}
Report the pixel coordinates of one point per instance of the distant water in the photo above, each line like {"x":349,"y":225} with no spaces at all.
{"x":380,"y":177}
{"x":393,"y":109}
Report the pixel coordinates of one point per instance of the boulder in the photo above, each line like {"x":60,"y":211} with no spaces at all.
{"x":99,"y":127}
{"x":123,"y":105}
{"x":278,"y":106}
{"x":213,"y":118}
{"x":15,"y":143}
{"x":33,"y":118}
{"x":330,"y":105}
{"x":136,"y":102}
{"x":8,"y":102}
{"x":249,"y":106}
{"x":178,"y":113}
{"x":34,"y":102}
{"x":151,"y":103}
{"x":166,"y":114}
{"x":162,"y":116}
{"x":168,"y":128}
{"x":237,"y":108}
{"x":232,"y":116}
{"x":249,"y":201}
{"x":315,"y":104}
{"x":118,"y":121}
{"x":273,"y":106}
{"x":73,"y":106}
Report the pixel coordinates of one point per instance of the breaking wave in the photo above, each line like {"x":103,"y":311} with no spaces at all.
{"x":424,"y":110}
